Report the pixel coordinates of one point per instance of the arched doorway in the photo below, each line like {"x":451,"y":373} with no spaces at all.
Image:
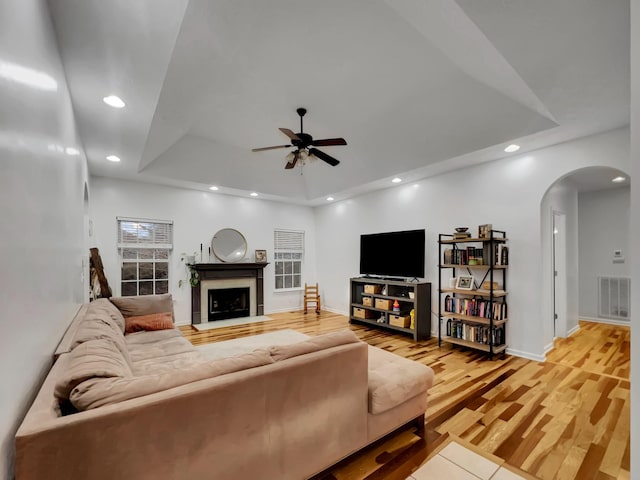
{"x":572,"y":211}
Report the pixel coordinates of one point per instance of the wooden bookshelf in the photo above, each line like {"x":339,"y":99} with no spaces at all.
{"x":492,"y":253}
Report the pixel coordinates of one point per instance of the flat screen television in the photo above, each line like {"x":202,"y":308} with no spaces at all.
{"x":393,"y":254}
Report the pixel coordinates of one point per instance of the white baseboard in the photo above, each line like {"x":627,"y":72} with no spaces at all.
{"x":573,"y":330}
{"x":337,"y":311}
{"x":548,"y":348}
{"x":527,"y":355}
{"x":625,"y":323}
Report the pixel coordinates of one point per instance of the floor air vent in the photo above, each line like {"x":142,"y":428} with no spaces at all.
{"x":614,"y":297}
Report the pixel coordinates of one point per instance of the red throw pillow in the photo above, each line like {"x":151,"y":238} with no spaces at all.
{"x":152,"y":321}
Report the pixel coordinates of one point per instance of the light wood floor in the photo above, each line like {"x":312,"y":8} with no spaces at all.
{"x":566,"y":418}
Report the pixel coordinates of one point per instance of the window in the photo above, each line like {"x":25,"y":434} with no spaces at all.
{"x":144,"y":247}
{"x":289,"y":255}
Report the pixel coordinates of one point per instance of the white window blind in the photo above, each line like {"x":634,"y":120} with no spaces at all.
{"x":289,"y":257}
{"x":289,"y":240}
{"x":139,"y":233}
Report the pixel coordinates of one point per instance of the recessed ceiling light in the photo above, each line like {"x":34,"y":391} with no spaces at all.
{"x":253,"y":194}
{"x":113,"y":158}
{"x":72,"y":151}
{"x":329,"y":199}
{"x":618,"y":179}
{"x":27,"y":76}
{"x":213,"y":187}
{"x":512,"y":148}
{"x":113,"y":101}
{"x":396,"y":180}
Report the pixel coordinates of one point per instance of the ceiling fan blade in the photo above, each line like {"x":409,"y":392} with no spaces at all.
{"x":289,"y":134}
{"x":323,"y":156}
{"x":269,"y":148}
{"x":327,"y":142}
{"x":292,"y":163}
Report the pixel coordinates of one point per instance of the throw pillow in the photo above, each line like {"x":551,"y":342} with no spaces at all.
{"x":143,"y":305}
{"x":152,"y":321}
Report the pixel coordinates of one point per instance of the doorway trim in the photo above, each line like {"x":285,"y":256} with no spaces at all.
{"x":559,"y":309}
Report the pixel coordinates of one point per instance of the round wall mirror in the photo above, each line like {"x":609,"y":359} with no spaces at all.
{"x":229,"y":245}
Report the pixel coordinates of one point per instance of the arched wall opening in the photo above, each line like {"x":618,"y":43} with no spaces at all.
{"x":581,"y":208}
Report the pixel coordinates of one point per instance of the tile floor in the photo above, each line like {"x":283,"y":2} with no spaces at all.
{"x":456,"y":462}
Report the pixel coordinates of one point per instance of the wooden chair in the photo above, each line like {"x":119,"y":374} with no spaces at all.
{"x":311,"y":295}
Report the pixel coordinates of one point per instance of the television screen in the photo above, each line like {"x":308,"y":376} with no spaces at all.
{"x":393,"y":254}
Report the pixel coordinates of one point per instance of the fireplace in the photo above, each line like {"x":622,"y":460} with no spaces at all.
{"x":228,"y":276}
{"x":227,"y":303}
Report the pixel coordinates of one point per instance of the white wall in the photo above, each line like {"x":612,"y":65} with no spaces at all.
{"x":635,"y":234}
{"x":506,"y":193}
{"x":197,"y":216}
{"x":603,"y":227}
{"x":41,"y":194}
{"x":562,"y":198}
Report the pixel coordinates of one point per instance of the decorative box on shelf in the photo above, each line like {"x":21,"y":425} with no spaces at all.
{"x":367,"y":301}
{"x":384,"y":303}
{"x":363,"y":313}
{"x":372,"y":289}
{"x":400,"y":320}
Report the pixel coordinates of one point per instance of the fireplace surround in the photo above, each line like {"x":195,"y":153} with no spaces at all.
{"x":227,"y":276}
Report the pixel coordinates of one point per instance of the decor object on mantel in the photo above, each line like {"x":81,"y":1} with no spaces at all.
{"x":304,"y":143}
{"x":261,"y":256}
{"x":229,"y":245}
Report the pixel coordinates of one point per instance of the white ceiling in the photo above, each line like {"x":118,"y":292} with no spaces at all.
{"x":414,"y":86}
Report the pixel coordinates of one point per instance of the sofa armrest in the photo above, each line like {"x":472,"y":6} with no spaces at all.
{"x":67,"y":339}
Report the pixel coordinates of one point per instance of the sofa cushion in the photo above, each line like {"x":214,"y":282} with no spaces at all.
{"x":150,"y":366}
{"x":394,"y":379}
{"x":93,"y":358}
{"x":314,"y":344}
{"x":104,"y":306}
{"x":97,"y":392}
{"x":98,"y":325}
{"x":162,"y":354}
{"x":144,"y":305}
{"x":149,"y":322}
{"x":141,"y":338}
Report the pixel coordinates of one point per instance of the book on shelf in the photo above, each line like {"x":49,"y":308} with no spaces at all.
{"x":463,"y":256}
{"x":476,"y":307}
{"x":476,"y":333}
{"x":500,"y":254}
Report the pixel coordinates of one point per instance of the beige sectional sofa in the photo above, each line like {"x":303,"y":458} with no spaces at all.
{"x":149,"y":405}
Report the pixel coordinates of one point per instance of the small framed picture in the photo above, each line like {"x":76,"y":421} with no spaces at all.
{"x":261,"y":256}
{"x":464,"y":282}
{"x":484,"y":231}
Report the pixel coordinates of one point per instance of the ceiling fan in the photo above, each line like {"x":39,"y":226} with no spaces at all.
{"x":305,"y":145}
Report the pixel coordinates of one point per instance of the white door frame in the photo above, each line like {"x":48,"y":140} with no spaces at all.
{"x":559,"y":273}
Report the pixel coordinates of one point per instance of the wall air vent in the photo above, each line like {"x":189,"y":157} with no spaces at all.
{"x":614,"y":298}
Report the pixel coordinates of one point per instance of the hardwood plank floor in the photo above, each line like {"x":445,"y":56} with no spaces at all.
{"x":566,"y":418}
